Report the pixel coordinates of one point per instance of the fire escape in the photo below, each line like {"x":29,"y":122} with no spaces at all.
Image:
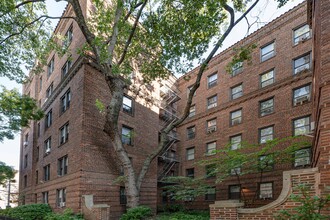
{"x":168,"y":159}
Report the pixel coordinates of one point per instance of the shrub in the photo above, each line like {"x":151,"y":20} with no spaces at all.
{"x":195,"y":215}
{"x":174,"y":208}
{"x":28,"y":212}
{"x":68,"y":214}
{"x":137,"y":213}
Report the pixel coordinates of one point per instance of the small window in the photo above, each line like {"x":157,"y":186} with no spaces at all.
{"x":47,"y":145}
{"x":267,"y":107}
{"x":212,"y":102}
{"x":210,"y":194}
{"x":267,"y":51}
{"x":47,"y":172}
{"x":122,"y":196}
{"x":235,"y":171}
{"x":210,"y":170}
{"x":64,"y":134}
{"x":301,"y":34}
{"x":26,"y":139}
{"x":25,"y":161}
{"x":234,"y":192}
{"x":38,"y":129}
{"x":301,"y":126}
{"x":190,"y":172}
{"x":211,"y":126}
{"x":301,"y":64}
{"x":45,"y":197}
{"x":40,"y":84}
{"x":236,"y":91}
{"x":235,"y":142}
{"x":211,"y":148}
{"x":66,"y":67}
{"x":60,"y":197}
{"x":37,"y":154}
{"x":127,"y":135}
{"x":128,"y":105}
{"x":37,"y":177}
{"x":50,"y":68}
{"x":212,"y":80}
{"x":237,"y":68}
{"x":266,"y":190}
{"x":302,"y":157}
{"x":267,"y":78}
{"x":68,"y":37}
{"x":236,"y":117}
{"x":266,"y":162}
{"x":65,"y":101}
{"x":62,"y":166}
{"x":191,"y":132}
{"x":49,"y":119}
{"x":49,"y":91}
{"x":192,"y":111}
{"x":266,"y":134}
{"x":25,"y":181}
{"x":301,"y":95}
{"x":190,"y":153}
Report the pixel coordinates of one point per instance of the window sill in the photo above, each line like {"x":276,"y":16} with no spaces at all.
{"x":262,"y":61}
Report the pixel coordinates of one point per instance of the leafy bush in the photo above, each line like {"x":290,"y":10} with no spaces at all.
{"x":174,"y":208}
{"x":137,"y":213}
{"x":68,"y":214}
{"x":28,"y":212}
{"x":191,"y":215}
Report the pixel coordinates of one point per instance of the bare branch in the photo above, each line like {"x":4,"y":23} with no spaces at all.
{"x":132,"y":9}
{"x":20,"y":5}
{"x":129,"y":40}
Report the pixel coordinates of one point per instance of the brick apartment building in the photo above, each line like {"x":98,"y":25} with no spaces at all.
{"x":66,"y":156}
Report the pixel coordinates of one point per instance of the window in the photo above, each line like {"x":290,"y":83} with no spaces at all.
{"x":236,"y":91}
{"x":267,"y":51}
{"x":40,"y":84}
{"x":301,"y":126}
{"x":25,"y":181}
{"x":234,"y":192}
{"x":37,"y":154}
{"x":128,"y":105}
{"x":66,"y":67}
{"x":301,"y":64}
{"x":191,"y":132}
{"x":190,"y":153}
{"x":192,"y":111}
{"x":210,"y":194}
{"x":236,"y":117}
{"x":64,"y":134}
{"x":48,"y":145}
{"x":37,"y":176}
{"x":210,"y":170}
{"x":212,"y":80}
{"x":45,"y":197}
{"x":62,"y":166}
{"x":210,"y":148}
{"x":65,"y":101}
{"x":301,"y":95}
{"x":211,"y":125}
{"x":190,"y":172}
{"x":60,"y":197}
{"x":47,"y":172}
{"x":122,"y":196}
{"x":266,"y":162}
{"x":49,"y":91}
{"x":301,"y":34}
{"x":267,"y":78}
{"x":237,"y":68}
{"x":50,"y":67}
{"x":126,"y":135}
{"x":302,"y":157}
{"x":267,"y":107}
{"x":235,"y":142}
{"x":266,"y":134}
{"x":38,"y":129}
{"x":25,"y":161}
{"x":212,"y":102}
{"x":235,"y":171}
{"x":68,"y":37}
{"x":49,"y":119}
{"x":266,"y":190}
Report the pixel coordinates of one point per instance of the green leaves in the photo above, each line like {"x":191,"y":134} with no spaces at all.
{"x":15,"y":112}
{"x":6,"y":173}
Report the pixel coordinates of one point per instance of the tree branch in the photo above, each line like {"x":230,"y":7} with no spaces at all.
{"x":129,"y":40}
{"x":131,"y":10}
{"x":21,"y":4}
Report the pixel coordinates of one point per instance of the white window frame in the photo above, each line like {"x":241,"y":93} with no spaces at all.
{"x":211,"y":148}
{"x":268,"y":109}
{"x":268,"y":79}
{"x":304,"y":66}
{"x":303,"y":36}
{"x":267,"y":55}
{"x":236,"y":91}
{"x":64,"y":134}
{"x":212,"y":102}
{"x":267,"y":136}
{"x":302,"y":157}
{"x":212,"y":80}
{"x":211,"y":125}
{"x":306,"y":126}
{"x":236,"y":117}
{"x":190,"y":153}
{"x":235,"y":142}
{"x":127,"y":105}
{"x":266,"y":190}
{"x":300,"y":96}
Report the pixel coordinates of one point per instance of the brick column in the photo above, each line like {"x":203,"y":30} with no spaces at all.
{"x":225,"y":210}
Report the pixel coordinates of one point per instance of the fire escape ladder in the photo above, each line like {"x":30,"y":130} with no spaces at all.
{"x":166,"y":170}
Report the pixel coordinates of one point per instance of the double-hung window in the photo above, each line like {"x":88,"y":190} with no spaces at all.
{"x":267,"y":107}
{"x":301,"y":126}
{"x":301,"y":64}
{"x":62,"y":166}
{"x":50,"y":67}
{"x":266,"y":190}
{"x":68,"y":37}
{"x":64,"y":133}
{"x":47,"y":145}
{"x":190,"y":172}
{"x":236,"y":91}
{"x":235,"y":142}
{"x":60,"y":197}
{"x":49,"y":91}
{"x":211,"y":125}
{"x":210,"y":194}
{"x":236,"y":117}
{"x":267,"y":78}
{"x":192,"y":111}
{"x":49,"y":119}
{"x":212,"y":102}
{"x":65,"y":101}
{"x":301,"y":95}
{"x":190,"y":153}
{"x":191,"y":132}
{"x":266,"y":134}
{"x":212,"y":80}
{"x":127,"y":135}
{"x":234,"y":192}
{"x":47,"y":172}
{"x":302,"y":157}
{"x":66,"y":67}
{"x":237,"y":68}
{"x":211,"y":148}
{"x":128,"y":105}
{"x":301,"y":34}
{"x":267,"y":51}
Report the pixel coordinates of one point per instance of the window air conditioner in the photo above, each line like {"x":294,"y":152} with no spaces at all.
{"x":211,"y":129}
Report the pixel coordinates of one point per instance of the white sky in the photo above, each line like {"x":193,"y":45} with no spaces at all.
{"x":266,"y":10}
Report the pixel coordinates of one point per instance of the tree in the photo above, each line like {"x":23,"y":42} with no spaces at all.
{"x":157,"y":35}
{"x":6,"y":173}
